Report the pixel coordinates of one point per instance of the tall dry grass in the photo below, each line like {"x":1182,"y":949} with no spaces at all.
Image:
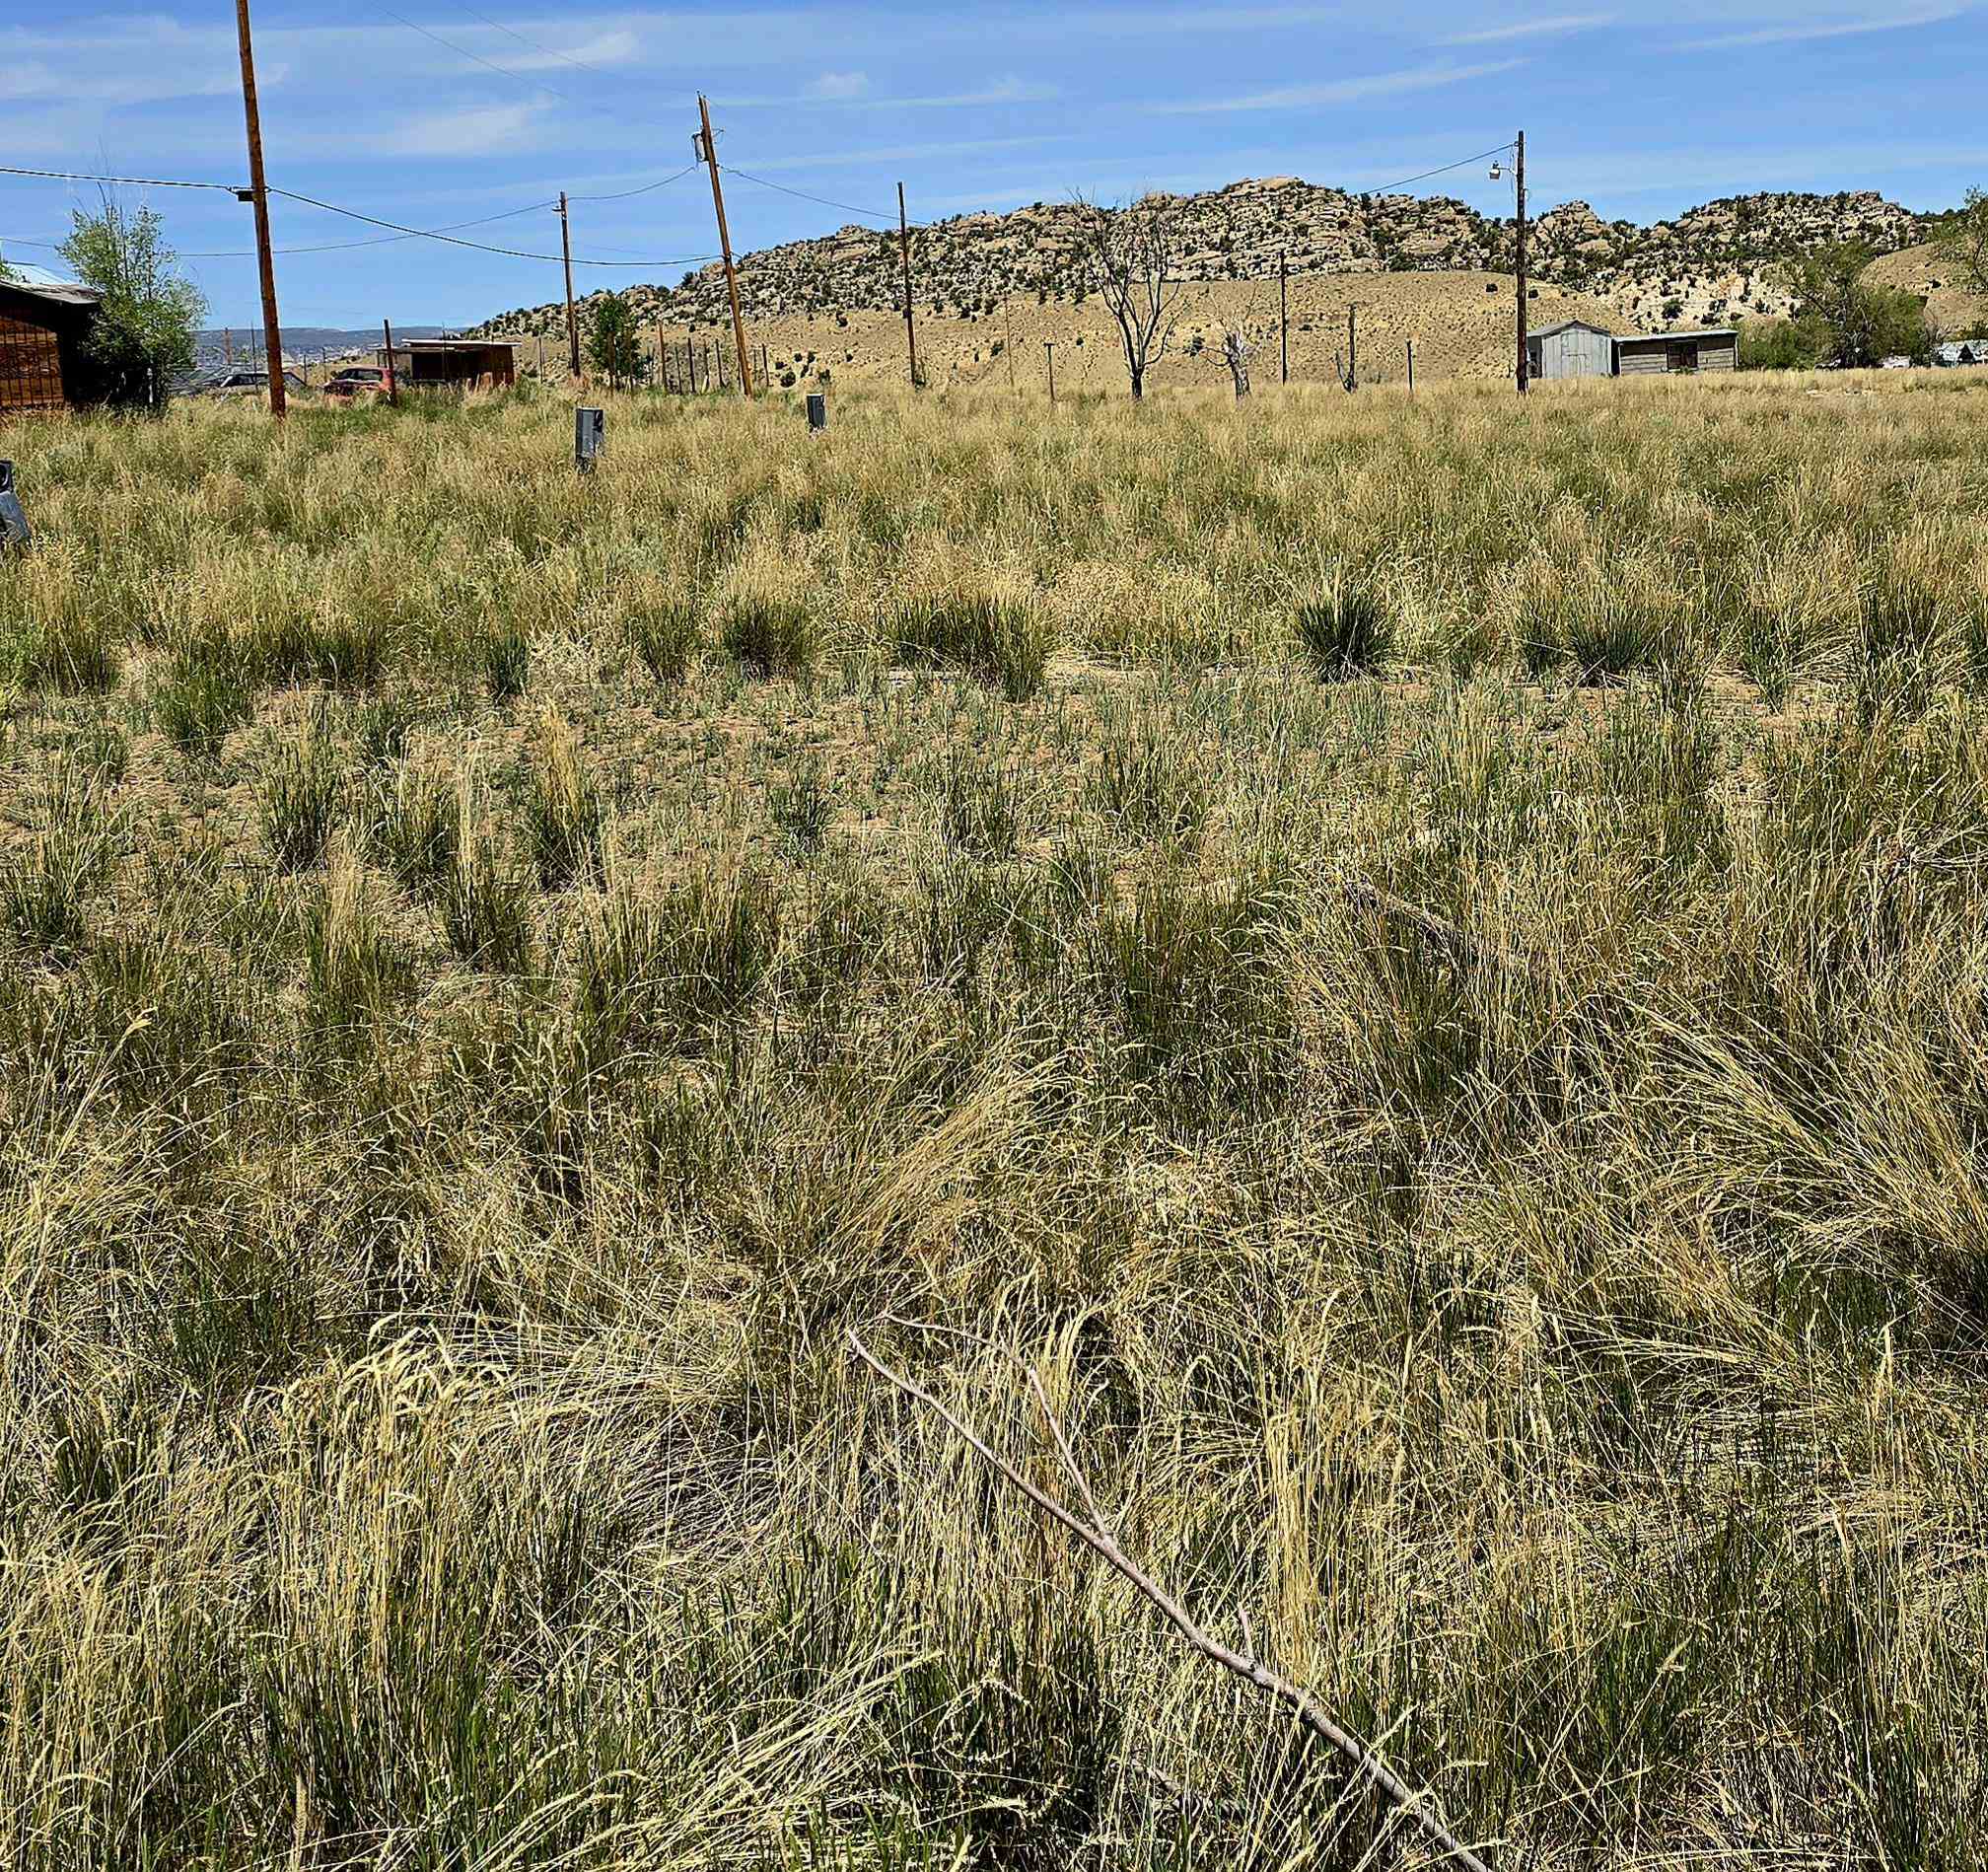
{"x":500,"y":971}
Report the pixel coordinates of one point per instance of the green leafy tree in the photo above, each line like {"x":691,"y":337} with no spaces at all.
{"x":1860,"y":321}
{"x":615,"y":346}
{"x":1965,"y":243}
{"x":143,"y":335}
{"x":1782,"y":344}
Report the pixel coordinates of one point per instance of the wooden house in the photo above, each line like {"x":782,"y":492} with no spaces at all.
{"x":42,"y":363}
{"x":451,"y":363}
{"x":1677,"y":353}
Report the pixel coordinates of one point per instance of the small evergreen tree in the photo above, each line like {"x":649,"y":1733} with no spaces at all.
{"x":144,"y":333}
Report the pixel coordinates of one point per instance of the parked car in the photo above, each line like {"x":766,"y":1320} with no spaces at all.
{"x":249,"y":384}
{"x":357,"y":383}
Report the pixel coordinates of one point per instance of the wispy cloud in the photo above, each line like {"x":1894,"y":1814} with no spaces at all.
{"x":1000,"y":90}
{"x":903,"y":153}
{"x":617,"y":48}
{"x":475,"y":131}
{"x":840,"y":87}
{"x":1795,"y":30}
{"x":1557,"y":27}
{"x":1344,"y":90}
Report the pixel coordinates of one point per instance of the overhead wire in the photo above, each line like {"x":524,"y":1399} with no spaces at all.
{"x":489,"y":64}
{"x":1463,"y":162}
{"x":482,"y":246}
{"x":645,"y":189}
{"x":130,"y":181}
{"x":869,"y":214}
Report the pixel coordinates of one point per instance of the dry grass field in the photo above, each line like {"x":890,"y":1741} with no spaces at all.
{"x":1461,"y":324}
{"x":1422,"y":966}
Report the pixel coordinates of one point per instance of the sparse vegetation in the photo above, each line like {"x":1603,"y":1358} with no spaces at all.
{"x":1483,"y":1153}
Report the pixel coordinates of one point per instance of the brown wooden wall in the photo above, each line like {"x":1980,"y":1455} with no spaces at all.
{"x":1646,"y":357}
{"x":31,"y":366}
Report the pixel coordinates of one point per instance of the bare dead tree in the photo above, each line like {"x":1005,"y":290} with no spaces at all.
{"x":1236,"y":353}
{"x":1091,"y":1531}
{"x":1128,"y":254}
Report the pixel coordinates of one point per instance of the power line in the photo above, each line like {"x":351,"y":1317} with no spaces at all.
{"x":383,"y":240}
{"x":869,"y":214}
{"x":497,"y":25}
{"x":646,"y":188}
{"x":131,"y":182}
{"x":489,"y":64}
{"x":1389,"y":187}
{"x":482,"y":246}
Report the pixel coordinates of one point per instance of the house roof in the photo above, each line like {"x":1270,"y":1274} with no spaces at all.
{"x":42,"y":284}
{"x":1674,"y":338}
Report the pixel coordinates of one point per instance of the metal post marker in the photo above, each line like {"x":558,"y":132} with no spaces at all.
{"x":818,"y":411}
{"x":13,"y":522}
{"x":590,"y":437}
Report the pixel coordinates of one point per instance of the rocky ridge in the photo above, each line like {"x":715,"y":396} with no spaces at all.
{"x":1712,"y":265}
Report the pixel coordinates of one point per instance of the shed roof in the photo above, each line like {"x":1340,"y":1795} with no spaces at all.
{"x":455,"y":344}
{"x":1571,"y":325}
{"x":60,"y":292}
{"x":1674,"y":338}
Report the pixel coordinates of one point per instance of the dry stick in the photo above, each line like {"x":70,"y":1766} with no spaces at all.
{"x":1456,"y":943}
{"x":1386,"y":1781}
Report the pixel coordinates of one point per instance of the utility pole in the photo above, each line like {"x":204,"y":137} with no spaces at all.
{"x":1524,"y":333}
{"x":1352,"y":347}
{"x":1049,"y":345}
{"x":572,"y":315}
{"x":1411,"y":366}
{"x":709,"y":152}
{"x":227,"y":347}
{"x":904,"y":248}
{"x":258,"y":193}
{"x":387,"y":334}
{"x":1283,"y":322}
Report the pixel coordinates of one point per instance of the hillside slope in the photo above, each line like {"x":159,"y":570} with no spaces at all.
{"x":978,"y":273}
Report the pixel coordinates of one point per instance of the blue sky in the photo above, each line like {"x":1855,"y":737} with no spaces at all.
{"x":446,"y":112}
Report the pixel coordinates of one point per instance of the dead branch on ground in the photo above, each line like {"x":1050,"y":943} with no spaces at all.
{"x":1094,"y":1533}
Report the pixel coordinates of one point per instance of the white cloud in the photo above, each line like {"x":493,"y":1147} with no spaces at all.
{"x":475,"y":131}
{"x":837,"y":86}
{"x":617,"y":48}
{"x":1554,"y":28}
{"x":1792,"y":31}
{"x":1345,"y":90}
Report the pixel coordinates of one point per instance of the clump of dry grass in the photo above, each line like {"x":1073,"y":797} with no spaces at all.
{"x":1482,"y":1157}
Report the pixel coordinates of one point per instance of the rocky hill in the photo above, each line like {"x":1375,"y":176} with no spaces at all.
{"x":1712,"y":264}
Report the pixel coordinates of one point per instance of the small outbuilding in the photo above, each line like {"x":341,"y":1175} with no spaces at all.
{"x":1958,"y":356}
{"x":1677,"y":353}
{"x":451,"y":363}
{"x":44,"y":323}
{"x":1571,"y":349}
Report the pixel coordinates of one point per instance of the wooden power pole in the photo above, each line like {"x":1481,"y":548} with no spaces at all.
{"x":572,"y":313}
{"x":1524,"y":317}
{"x":1283,"y":322}
{"x":1049,"y":346}
{"x":258,"y":193}
{"x":709,"y":152}
{"x":1352,"y":347}
{"x":904,"y":248}
{"x":386,"y":337}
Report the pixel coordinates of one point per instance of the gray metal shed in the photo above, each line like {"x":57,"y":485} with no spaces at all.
{"x":1679,"y":353}
{"x":1573,"y":348}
